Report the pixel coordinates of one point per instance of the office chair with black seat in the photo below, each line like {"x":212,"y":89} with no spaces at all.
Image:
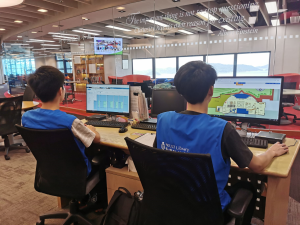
{"x":28,"y":94}
{"x":180,"y":188}
{"x":10,"y":115}
{"x":61,"y":170}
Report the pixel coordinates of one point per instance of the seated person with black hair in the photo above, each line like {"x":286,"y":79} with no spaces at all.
{"x":197,"y":132}
{"x":47,"y":83}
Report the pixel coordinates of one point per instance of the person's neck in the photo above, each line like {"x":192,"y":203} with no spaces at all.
{"x":199,"y":107}
{"x":54,"y":105}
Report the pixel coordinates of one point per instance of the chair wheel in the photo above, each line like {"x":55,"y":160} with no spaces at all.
{"x":40,"y":223}
{"x":7,"y":157}
{"x":27,"y":150}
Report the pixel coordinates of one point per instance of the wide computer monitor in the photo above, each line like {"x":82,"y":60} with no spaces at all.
{"x":247,"y":99}
{"x":164,"y":100}
{"x":110,"y":99}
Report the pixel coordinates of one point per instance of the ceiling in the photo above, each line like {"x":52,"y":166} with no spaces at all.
{"x":98,"y":20}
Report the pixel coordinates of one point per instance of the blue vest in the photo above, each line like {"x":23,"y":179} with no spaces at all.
{"x":45,"y":119}
{"x":196,"y":134}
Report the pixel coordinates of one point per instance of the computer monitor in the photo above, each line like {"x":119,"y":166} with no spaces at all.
{"x":164,"y":100}
{"x":111,"y":99}
{"x":247,"y":99}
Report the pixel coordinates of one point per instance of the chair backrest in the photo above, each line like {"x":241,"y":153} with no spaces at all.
{"x":60,"y":169}
{"x":10,"y":114}
{"x":28,"y":94}
{"x":180,"y":188}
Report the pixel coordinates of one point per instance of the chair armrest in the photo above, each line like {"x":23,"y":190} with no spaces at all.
{"x":240,"y":203}
{"x":96,"y":160}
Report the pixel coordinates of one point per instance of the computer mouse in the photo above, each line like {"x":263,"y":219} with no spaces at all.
{"x":123,"y":130}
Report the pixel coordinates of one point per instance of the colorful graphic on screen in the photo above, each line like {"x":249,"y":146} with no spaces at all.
{"x":108,"y":46}
{"x":252,"y":98}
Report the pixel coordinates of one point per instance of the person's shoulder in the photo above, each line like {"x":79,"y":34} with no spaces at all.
{"x":165,"y":114}
{"x":31,"y":112}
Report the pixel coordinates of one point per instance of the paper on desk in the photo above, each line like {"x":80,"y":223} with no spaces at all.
{"x":146,"y":139}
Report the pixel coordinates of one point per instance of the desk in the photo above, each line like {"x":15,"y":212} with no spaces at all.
{"x":278,"y":172}
{"x":29,"y":104}
{"x":292,"y":92}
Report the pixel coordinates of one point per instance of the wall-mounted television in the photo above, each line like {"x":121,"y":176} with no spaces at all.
{"x":108,"y":46}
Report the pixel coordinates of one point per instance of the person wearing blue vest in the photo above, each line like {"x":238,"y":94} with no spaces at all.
{"x":48,"y":84}
{"x":194,"y":131}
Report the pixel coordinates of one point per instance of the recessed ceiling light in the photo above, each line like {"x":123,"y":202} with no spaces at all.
{"x":123,"y":36}
{"x":49,"y":45}
{"x":120,"y":8}
{"x":2,"y":29}
{"x":18,"y":21}
{"x":48,"y":48}
{"x":10,"y":3}
{"x":19,"y":36}
{"x":63,"y":34}
{"x":84,"y":18}
{"x":43,"y":10}
{"x":122,"y":11}
{"x":90,"y":30}
{"x":185,"y":32}
{"x":206,"y":16}
{"x":117,"y":28}
{"x":34,"y":32}
{"x":38,"y":40}
{"x":84,"y":32}
{"x":19,"y":44}
{"x":64,"y":37}
{"x":227,"y":27}
{"x":176,"y":0}
{"x":158,"y":23}
{"x":149,"y":35}
{"x":271,"y":7}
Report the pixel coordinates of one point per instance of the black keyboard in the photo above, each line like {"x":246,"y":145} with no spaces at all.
{"x":144,"y":126}
{"x":255,"y":142}
{"x":97,"y":123}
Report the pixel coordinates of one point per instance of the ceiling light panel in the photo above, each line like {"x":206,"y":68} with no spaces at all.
{"x":43,"y":10}
{"x":64,"y":34}
{"x":206,"y":16}
{"x":158,"y":23}
{"x":84,"y":32}
{"x":227,"y":27}
{"x":117,"y":28}
{"x":185,"y":32}
{"x":271,"y":7}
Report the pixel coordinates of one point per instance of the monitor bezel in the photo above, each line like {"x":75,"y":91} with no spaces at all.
{"x":255,"y":120}
{"x":106,"y":112}
{"x":158,"y":90}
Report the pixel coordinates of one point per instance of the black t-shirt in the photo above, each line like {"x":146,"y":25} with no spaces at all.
{"x":232,"y":145}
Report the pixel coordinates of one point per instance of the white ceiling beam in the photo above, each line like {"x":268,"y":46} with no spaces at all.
{"x":14,"y":17}
{"x":33,"y":9}
{"x":242,"y":12}
{"x":264,"y":11}
{"x":45,"y":5}
{"x":21,"y":13}
{"x":66,"y":3}
{"x":84,"y":1}
{"x":6,"y":20}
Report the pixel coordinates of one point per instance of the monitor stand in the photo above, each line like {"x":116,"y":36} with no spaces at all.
{"x":244,"y":126}
{"x":256,"y":125}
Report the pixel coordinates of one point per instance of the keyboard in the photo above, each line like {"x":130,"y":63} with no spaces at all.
{"x":97,"y":123}
{"x":255,"y":142}
{"x":144,"y":126}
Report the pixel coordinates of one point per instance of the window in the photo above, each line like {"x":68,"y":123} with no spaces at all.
{"x":223,"y":64}
{"x":184,"y":60}
{"x":165,"y":67}
{"x":18,"y":67}
{"x":64,"y":63}
{"x":143,"y":67}
{"x":253,"y":64}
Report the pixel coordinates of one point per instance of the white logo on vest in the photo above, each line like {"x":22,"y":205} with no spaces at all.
{"x":163,"y":147}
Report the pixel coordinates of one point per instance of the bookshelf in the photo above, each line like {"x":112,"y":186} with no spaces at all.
{"x":88,"y":67}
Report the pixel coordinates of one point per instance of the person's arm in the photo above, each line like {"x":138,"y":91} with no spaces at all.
{"x":86,"y":134}
{"x":260,"y":162}
{"x":97,"y":135}
{"x":235,"y":148}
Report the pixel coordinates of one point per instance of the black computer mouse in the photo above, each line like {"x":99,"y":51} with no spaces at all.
{"x":123,"y":130}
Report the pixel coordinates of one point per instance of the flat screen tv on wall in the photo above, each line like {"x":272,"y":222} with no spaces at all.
{"x":108,"y":46}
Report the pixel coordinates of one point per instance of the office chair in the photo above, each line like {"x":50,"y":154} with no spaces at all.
{"x":10,"y":115}
{"x":28,"y":94}
{"x":180,"y":188}
{"x":61,"y":170}
{"x":67,"y":94}
{"x":117,"y":81}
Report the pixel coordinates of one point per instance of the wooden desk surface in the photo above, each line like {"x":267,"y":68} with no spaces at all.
{"x":280,"y":166}
{"x":290,"y":92}
{"x":29,"y":104}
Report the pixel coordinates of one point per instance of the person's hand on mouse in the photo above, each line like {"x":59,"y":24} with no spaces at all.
{"x":278,"y":149}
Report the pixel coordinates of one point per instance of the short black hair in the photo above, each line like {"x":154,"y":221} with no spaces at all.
{"x":46,"y":82}
{"x":194,"y":79}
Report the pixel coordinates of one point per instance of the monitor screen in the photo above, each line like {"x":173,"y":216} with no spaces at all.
{"x":113,"y":99}
{"x":251,"y":99}
{"x":167,"y":100}
{"x":108,"y":46}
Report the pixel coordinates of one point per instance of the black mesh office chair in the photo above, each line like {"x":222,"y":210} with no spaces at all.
{"x":10,"y":115}
{"x":28,"y":94}
{"x":61,"y":170}
{"x":180,"y":188}
{"x":117,"y":81}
